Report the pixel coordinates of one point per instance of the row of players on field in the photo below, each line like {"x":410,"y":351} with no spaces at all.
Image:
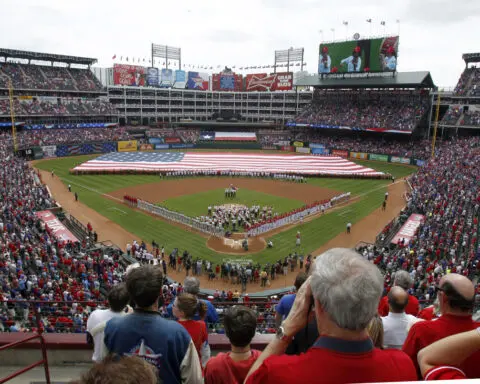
{"x":268,"y":175}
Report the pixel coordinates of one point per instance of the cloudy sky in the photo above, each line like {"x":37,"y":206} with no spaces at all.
{"x":433,"y":33}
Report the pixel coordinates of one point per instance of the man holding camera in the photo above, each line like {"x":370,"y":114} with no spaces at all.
{"x":344,"y":290}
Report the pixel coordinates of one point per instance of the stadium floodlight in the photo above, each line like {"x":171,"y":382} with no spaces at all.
{"x":290,"y":57}
{"x":167,"y":53}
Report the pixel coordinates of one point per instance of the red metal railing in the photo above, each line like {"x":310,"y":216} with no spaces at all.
{"x":43,"y":361}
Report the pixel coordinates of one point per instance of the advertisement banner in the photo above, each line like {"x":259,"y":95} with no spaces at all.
{"x":302,"y":150}
{"x":320,"y":151}
{"x":198,"y":80}
{"x":339,"y":152}
{"x":227,"y":82}
{"x":419,"y":163}
{"x":401,"y":160}
{"x":55,"y":225}
{"x":162,"y":146}
{"x":262,"y":82}
{"x":297,"y":143}
{"x":127,"y":146}
{"x":288,"y":148}
{"x":408,"y":230}
{"x":156,"y":140}
{"x":49,"y":151}
{"x":316,"y":145}
{"x":373,"y":156}
{"x":152,"y":77}
{"x":180,"y":79}
{"x":166,"y":78}
{"x":171,"y":140}
{"x":124,"y":74}
{"x":356,"y":56}
{"x":146,"y":147}
{"x":359,"y":155}
{"x":179,"y":146}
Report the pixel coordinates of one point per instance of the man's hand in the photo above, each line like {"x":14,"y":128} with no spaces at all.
{"x":298,"y":317}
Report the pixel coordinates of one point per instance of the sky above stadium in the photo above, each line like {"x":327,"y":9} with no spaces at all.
{"x":433,"y":33}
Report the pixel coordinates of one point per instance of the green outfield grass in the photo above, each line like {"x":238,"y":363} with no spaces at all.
{"x":196,"y":204}
{"x":314,"y":233}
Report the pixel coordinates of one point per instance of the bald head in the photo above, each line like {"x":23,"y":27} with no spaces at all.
{"x":397,"y":299}
{"x":459,"y":293}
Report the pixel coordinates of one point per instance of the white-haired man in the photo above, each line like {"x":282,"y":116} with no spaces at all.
{"x":345,"y":290}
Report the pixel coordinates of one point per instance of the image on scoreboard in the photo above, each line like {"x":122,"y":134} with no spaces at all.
{"x":356,"y":56}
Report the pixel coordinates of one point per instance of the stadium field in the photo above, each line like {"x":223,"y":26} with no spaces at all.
{"x":94,"y":191}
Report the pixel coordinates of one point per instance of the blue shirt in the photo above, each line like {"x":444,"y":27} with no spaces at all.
{"x":162,"y":343}
{"x":285,"y":305}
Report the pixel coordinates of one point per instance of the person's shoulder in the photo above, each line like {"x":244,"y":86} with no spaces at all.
{"x":444,"y":373}
{"x":400,"y":358}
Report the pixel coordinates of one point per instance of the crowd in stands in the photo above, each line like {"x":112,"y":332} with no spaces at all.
{"x":189,"y":136}
{"x":36,"y":77}
{"x":471,"y":118}
{"x":30,"y":138}
{"x":52,"y":106}
{"x":391,"y":111}
{"x":452,"y":115}
{"x":469,"y":82}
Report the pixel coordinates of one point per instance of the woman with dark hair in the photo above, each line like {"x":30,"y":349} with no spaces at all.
{"x":185,"y":307}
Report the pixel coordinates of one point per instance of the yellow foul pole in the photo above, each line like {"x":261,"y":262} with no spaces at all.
{"x":435,"y":126}
{"x":12,"y":115}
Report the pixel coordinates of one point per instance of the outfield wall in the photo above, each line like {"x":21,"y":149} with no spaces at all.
{"x":62,"y":150}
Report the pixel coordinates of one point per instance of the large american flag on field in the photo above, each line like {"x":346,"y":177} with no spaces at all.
{"x":241,"y":162}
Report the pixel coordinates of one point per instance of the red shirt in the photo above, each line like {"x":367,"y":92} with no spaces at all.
{"x":425,"y":333}
{"x":221,"y":369}
{"x":332,"y":360}
{"x":428,"y":313}
{"x":412,"y":307}
{"x":198,"y":332}
{"x":444,"y":373}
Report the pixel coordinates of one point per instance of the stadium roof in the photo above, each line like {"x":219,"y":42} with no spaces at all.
{"x":13,"y":53}
{"x":471,"y":57}
{"x":420,"y":79}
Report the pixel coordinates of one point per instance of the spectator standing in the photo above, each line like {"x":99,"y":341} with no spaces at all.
{"x":117,"y":300}
{"x":185,"y":307}
{"x":283,"y":307}
{"x":397,"y":322}
{"x":349,"y":227}
{"x":163,"y":343}
{"x":345,"y":289}
{"x":404,"y":281}
{"x":232,"y":367}
{"x":456,"y":296}
{"x":192,"y":285}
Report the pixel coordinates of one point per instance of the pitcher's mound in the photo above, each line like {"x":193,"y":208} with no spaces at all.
{"x":233,"y":244}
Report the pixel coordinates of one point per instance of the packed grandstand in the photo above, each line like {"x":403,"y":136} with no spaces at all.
{"x":52,"y":285}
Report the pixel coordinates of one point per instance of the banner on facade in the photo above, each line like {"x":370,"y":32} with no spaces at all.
{"x":127,"y":146}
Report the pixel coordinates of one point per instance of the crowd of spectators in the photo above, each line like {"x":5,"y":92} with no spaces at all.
{"x":452,"y":115}
{"x":364,"y":110}
{"x":39,"y":77}
{"x":30,"y":138}
{"x":469,"y":82}
{"x":471,"y":118}
{"x":52,"y":106}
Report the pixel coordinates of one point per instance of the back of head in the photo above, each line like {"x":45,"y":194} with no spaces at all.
{"x":240,"y":325}
{"x":397,"y":299}
{"x":300,"y":279}
{"x":191,"y":285}
{"x":403,"y":280}
{"x":347,"y":287}
{"x":190,"y":305}
{"x":144,"y":285}
{"x":120,"y":370}
{"x":459,"y":293}
{"x":118,"y":297}
{"x":375,"y":330}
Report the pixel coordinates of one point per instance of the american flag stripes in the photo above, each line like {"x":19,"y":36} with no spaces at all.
{"x":225,"y":162}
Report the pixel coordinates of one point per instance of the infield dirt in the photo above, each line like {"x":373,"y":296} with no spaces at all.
{"x":365,"y":230}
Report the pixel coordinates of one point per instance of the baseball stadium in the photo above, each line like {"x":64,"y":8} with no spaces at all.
{"x":249,"y":190}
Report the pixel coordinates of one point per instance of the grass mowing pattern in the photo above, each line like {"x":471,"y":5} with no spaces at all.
{"x":314,"y":233}
{"x":196,"y":204}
